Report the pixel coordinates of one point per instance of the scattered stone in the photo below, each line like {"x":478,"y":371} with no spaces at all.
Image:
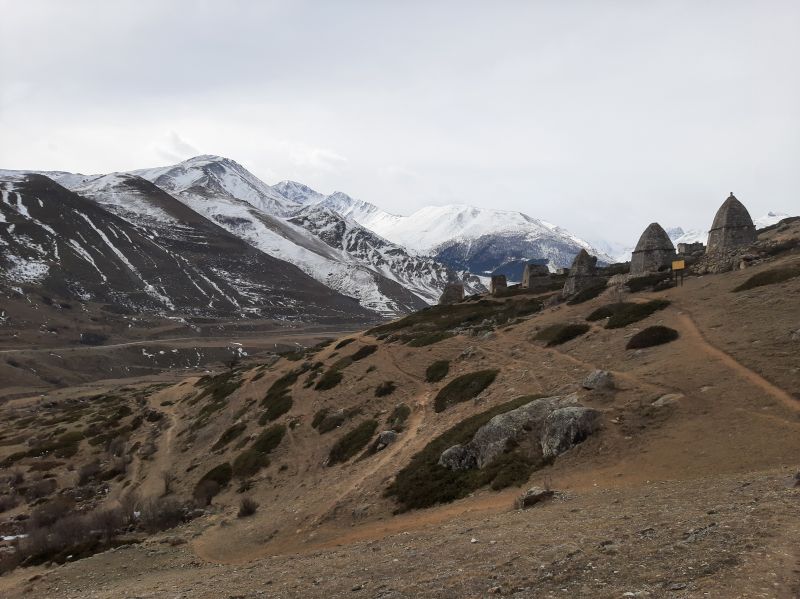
{"x":670,"y":399}
{"x":533,"y":496}
{"x":599,"y":380}
{"x":495,"y":590}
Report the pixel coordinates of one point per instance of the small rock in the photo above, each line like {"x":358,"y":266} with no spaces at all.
{"x":677,"y":586}
{"x":495,"y":590}
{"x":533,"y":496}
{"x":670,"y":399}
{"x":599,"y":380}
{"x":473,"y":540}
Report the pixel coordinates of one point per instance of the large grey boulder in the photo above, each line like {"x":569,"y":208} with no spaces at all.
{"x":533,"y":421}
{"x":566,"y":427}
{"x":492,"y":439}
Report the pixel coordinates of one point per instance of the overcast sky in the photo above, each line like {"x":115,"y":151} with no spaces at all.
{"x":598,"y":116}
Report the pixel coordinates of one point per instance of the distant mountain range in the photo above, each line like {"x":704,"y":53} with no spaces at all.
{"x":207,"y":236}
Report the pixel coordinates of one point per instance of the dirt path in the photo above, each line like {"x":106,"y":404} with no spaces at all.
{"x":693,"y":335}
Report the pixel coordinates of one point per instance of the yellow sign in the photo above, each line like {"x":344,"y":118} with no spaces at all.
{"x":678,"y":264}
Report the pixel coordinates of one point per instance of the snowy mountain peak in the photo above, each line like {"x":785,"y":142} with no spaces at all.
{"x":298,"y":192}
{"x":212,"y":176}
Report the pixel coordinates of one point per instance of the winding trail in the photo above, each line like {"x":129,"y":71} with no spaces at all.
{"x":695,"y":337}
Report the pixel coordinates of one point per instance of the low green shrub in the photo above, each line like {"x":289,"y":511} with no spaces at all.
{"x":625,"y":313}
{"x":319,"y":416}
{"x":437,"y":371}
{"x":363,"y":352}
{"x":463,"y":388}
{"x":329,"y":380}
{"x":255,"y":457}
{"x":229,"y":435}
{"x":249,"y":462}
{"x":343,"y":342}
{"x":770,"y":277}
{"x":276,"y":408}
{"x":423,"y":482}
{"x":657,"y":335}
{"x":398,"y":417}
{"x":269,"y":439}
{"x":428,"y":339}
{"x":645,"y":282}
{"x":351,"y":443}
{"x":584,"y":295}
{"x":557,"y":334}
{"x":385,"y":388}
{"x":219,"y":474}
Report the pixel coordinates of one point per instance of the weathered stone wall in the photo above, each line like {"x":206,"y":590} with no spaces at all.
{"x":732,"y":227}
{"x":653,"y":252}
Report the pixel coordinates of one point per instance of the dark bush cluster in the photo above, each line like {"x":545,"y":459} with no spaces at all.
{"x":624,"y":313}
{"x":463,"y":388}
{"x":351,"y":443}
{"x":398,"y":417}
{"x":385,"y":388}
{"x":256,"y":457}
{"x":655,"y":281}
{"x":584,"y":295}
{"x":770,"y":277}
{"x":657,"y":335}
{"x":557,"y":334}
{"x":437,"y":371}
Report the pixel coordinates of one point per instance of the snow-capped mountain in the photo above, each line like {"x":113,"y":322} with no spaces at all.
{"x":380,"y":275}
{"x":134,"y":246}
{"x":465,"y":238}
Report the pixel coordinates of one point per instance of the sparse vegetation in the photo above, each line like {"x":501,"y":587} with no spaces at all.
{"x":398,"y":417}
{"x":558,"y":334}
{"x":656,"y":335}
{"x":329,"y":380}
{"x":443,"y":318}
{"x":423,"y":482}
{"x":652,"y":281}
{"x":624,"y":313}
{"x":229,"y":435}
{"x":437,"y":371}
{"x":363,"y":352}
{"x":428,"y":339}
{"x":587,"y":294}
{"x":351,"y":443}
{"x":343,"y":342}
{"x":770,"y":277}
{"x":254,"y":458}
{"x":464,"y":388}
{"x":385,"y":388}
{"x":247,"y":507}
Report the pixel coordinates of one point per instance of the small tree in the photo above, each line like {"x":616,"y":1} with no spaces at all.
{"x":247,"y":507}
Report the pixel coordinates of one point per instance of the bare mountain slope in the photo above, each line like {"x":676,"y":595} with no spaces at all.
{"x":138,"y":248}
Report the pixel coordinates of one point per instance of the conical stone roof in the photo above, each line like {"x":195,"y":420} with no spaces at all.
{"x":732,"y":227}
{"x":653,"y":252}
{"x":654,"y":238}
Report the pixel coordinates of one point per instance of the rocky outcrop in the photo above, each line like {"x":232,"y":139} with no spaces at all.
{"x":566,"y":427}
{"x":554,"y":424}
{"x":385,"y":438}
{"x":653,"y":252}
{"x":582,"y":274}
{"x":732,"y":227}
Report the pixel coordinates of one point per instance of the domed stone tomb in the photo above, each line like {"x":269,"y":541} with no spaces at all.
{"x":653,"y":252}
{"x":732,"y":227}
